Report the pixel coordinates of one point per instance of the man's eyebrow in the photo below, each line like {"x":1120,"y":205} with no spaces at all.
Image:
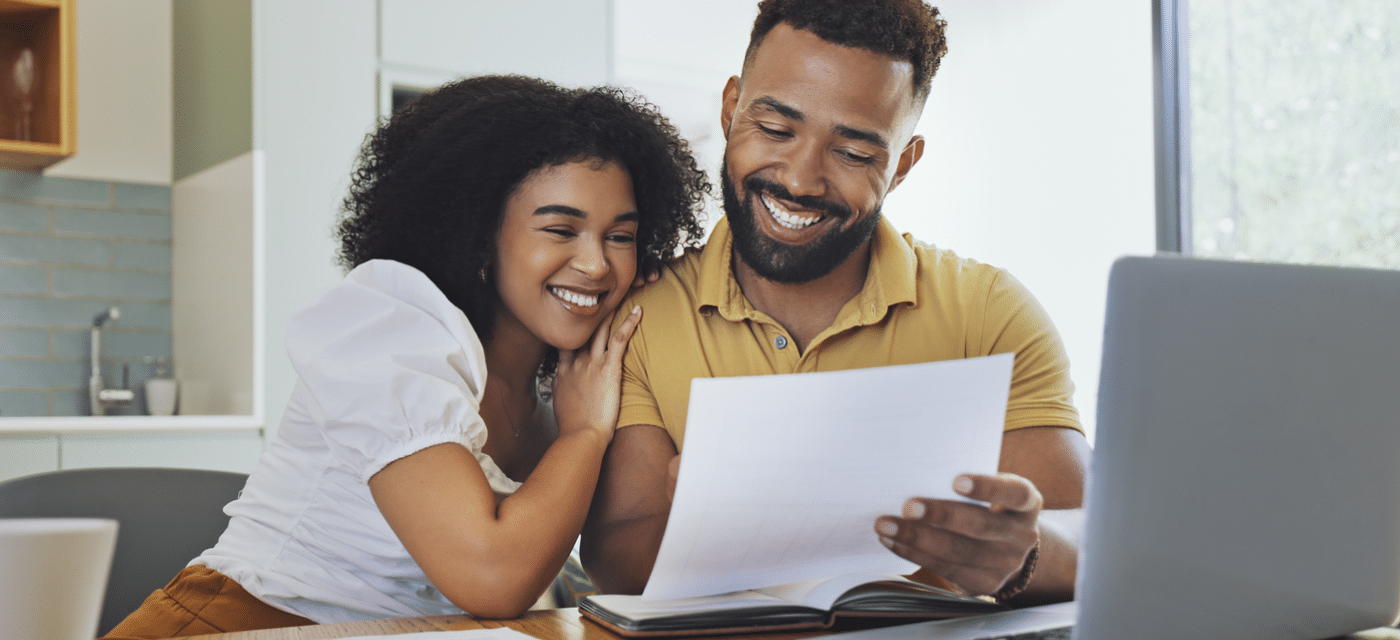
{"x":772,"y":104}
{"x":861,"y":135}
{"x":572,"y":212}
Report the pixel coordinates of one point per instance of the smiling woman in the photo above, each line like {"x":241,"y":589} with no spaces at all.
{"x":494,"y":224}
{"x":567,"y":251}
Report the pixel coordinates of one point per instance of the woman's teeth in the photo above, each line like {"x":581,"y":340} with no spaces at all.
{"x":575,"y":298}
{"x":787,"y":219}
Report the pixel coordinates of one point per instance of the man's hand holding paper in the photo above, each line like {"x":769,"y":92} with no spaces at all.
{"x":784,"y":475}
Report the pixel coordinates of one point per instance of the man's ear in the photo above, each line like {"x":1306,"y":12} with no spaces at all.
{"x":907,"y":159}
{"x":728,"y":102}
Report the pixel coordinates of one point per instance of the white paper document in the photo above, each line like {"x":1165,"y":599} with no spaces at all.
{"x":782,"y":476}
{"x":500,"y":633}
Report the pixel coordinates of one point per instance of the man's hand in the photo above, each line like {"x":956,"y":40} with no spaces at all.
{"x":978,"y":547}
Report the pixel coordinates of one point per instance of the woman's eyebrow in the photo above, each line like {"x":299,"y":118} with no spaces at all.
{"x":574,"y":212}
{"x":560,"y":209}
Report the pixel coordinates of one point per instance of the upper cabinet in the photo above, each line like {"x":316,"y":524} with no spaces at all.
{"x":38,"y":83}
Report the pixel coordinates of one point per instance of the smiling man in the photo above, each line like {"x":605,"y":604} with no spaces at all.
{"x":804,"y":274}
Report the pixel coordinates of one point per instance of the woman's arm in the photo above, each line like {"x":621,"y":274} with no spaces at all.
{"x":493,"y":560}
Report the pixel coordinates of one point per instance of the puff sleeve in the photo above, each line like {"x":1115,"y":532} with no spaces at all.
{"x":391,"y":367}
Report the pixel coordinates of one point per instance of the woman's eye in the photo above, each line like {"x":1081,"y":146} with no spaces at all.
{"x":626,"y":238}
{"x":563,"y":233}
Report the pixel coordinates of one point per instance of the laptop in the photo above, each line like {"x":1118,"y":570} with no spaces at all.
{"x":1244,"y":482}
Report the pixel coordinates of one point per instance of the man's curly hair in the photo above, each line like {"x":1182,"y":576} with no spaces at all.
{"x":431,"y":184}
{"x":908,"y":30}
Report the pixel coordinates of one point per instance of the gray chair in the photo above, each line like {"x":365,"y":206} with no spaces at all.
{"x":167,"y":517}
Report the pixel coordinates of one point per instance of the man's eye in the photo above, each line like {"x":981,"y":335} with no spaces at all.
{"x":857,"y":158}
{"x":776,"y":133}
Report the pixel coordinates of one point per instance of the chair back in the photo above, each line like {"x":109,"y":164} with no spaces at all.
{"x":167,"y":518}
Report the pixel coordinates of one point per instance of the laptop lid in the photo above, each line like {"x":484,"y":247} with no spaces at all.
{"x":1244,"y":482}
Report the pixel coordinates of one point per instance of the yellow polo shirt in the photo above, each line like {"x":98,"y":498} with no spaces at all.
{"x":919,"y":304}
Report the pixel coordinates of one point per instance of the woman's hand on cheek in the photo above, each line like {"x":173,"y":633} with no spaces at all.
{"x":588,"y":382}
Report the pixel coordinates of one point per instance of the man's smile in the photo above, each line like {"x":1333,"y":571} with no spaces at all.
{"x":786,"y":218}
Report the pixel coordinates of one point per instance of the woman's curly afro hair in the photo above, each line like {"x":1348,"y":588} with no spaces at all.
{"x":431,"y":184}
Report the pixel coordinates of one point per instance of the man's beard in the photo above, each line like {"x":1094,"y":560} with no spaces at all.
{"x":782,"y":262}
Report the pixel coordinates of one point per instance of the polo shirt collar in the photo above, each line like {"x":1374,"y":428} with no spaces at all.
{"x":890,"y":280}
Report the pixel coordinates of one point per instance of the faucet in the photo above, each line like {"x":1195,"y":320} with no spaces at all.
{"x":98,"y":397}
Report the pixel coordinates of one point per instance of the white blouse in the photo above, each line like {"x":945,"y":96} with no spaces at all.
{"x":386,"y":367}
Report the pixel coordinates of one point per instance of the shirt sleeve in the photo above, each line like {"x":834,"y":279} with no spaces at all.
{"x":391,"y":367}
{"x":1042,"y":393}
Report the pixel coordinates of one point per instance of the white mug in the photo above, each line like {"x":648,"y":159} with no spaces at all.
{"x":53,"y":575}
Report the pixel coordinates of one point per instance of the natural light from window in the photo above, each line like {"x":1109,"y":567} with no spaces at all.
{"x":1295,"y":131}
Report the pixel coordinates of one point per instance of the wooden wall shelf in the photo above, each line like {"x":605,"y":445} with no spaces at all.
{"x":38,"y":126}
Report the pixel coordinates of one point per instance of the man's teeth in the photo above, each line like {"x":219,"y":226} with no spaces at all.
{"x":575,"y":298}
{"x":787,"y":219}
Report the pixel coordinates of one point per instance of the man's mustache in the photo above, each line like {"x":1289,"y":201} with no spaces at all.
{"x":755,"y":184}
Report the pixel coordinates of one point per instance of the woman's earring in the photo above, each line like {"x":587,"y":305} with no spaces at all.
{"x":482,"y":273}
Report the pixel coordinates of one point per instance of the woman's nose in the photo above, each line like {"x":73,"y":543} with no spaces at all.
{"x":590,"y":260}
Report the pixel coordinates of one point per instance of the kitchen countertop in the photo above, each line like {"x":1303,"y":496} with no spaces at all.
{"x":54,"y":425}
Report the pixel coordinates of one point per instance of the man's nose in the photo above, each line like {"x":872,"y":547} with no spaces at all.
{"x":803,"y":171}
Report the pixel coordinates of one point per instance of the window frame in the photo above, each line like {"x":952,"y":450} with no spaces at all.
{"x":1172,"y":124}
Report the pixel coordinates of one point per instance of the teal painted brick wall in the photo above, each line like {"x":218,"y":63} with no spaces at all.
{"x":69,"y":249}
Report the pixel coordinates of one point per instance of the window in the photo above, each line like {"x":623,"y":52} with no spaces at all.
{"x":1279,"y":130}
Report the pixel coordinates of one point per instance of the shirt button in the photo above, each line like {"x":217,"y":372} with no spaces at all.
{"x":780,"y":341}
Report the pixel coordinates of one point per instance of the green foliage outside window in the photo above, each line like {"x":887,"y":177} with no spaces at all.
{"x":1295,"y":130}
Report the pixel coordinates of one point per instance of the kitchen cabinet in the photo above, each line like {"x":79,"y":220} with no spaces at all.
{"x":38,"y":83}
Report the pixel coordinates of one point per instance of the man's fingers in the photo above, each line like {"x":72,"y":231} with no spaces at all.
{"x":968,"y":563}
{"x":970,"y":520}
{"x":1004,"y":491}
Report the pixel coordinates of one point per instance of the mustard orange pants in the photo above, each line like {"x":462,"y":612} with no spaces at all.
{"x":200,"y":600}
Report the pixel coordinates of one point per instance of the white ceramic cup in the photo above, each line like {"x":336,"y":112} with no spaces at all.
{"x":53,"y":574}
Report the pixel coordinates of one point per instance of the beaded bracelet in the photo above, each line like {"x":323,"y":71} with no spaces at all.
{"x":1015,"y":587}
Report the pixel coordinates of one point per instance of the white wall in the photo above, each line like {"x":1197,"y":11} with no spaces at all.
{"x":124,"y":93}
{"x":683,"y":70}
{"x":566,"y":41}
{"x":216,"y":306}
{"x":1040,"y":154}
{"x":314,"y":99}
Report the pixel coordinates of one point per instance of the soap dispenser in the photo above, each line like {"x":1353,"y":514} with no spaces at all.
{"x":161,"y":390}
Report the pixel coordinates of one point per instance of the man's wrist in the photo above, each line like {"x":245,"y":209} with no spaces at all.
{"x":1022,"y":580}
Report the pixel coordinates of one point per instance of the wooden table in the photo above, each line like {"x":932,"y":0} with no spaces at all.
{"x":549,"y":624}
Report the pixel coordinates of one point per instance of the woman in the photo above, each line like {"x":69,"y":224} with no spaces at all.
{"x":495,"y":225}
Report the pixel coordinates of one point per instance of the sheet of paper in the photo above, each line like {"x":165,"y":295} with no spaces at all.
{"x":782,"y":476}
{"x":500,"y":633}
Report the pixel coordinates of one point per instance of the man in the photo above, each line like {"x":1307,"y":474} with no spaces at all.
{"x":805,"y":275}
